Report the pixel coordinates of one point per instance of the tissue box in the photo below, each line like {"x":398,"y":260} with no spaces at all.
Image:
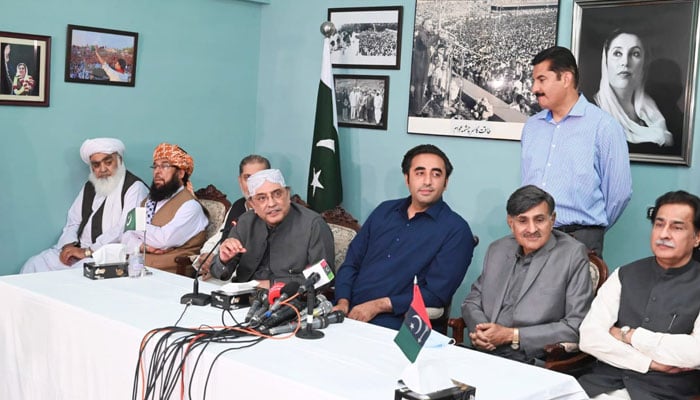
{"x":105,"y":271}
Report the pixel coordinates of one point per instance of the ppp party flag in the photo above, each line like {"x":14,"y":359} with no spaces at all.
{"x":415,"y":328}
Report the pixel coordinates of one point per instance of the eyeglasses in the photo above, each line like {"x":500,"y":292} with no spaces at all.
{"x":162,"y":166}
{"x":262,"y":198}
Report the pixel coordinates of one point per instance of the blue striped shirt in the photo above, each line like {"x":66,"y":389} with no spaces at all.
{"x":582,"y":161}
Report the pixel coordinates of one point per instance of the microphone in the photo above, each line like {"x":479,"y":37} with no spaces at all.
{"x":323,"y":308}
{"x":289,"y":290}
{"x":282,"y":315}
{"x":309,"y":283}
{"x":274,"y":293}
{"x":325,"y":272}
{"x":318,"y":323}
{"x":195,"y":298}
{"x":260,"y":299}
{"x":257,"y":318}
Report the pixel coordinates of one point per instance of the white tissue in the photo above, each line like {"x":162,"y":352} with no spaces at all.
{"x":429,"y":374}
{"x":110,"y":253}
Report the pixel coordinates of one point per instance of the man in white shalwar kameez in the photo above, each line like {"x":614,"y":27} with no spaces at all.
{"x":98,"y":214}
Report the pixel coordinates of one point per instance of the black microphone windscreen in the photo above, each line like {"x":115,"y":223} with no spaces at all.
{"x":290,"y":288}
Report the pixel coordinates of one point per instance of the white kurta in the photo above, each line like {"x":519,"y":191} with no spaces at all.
{"x":187,"y":222}
{"x":113,"y":220}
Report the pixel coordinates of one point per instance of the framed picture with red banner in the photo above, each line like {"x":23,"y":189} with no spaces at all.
{"x":25,"y":69}
{"x":101,"y":56}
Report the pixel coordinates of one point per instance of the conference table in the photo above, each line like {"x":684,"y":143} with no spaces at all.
{"x":63,"y":336}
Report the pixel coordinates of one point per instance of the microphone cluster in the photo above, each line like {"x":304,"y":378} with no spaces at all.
{"x":269,"y":321}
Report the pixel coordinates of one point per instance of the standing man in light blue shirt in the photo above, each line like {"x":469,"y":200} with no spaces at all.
{"x":575,"y":151}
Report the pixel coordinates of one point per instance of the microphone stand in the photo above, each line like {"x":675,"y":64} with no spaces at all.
{"x":195,"y":298}
{"x":309,"y":332}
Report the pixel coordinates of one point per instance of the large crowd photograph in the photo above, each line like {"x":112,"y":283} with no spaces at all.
{"x":642,"y":74}
{"x":470,"y":71}
{"x":367,"y":37}
{"x":101,"y":56}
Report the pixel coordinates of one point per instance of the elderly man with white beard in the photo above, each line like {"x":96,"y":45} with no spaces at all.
{"x":98,"y":214}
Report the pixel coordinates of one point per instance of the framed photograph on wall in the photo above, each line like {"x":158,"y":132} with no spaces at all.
{"x":642,"y":73}
{"x":101,"y":56}
{"x":367,"y":37}
{"x":362,"y":101}
{"x":25,"y":69}
{"x":470,"y":68}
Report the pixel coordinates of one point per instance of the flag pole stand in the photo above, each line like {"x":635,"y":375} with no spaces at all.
{"x":308,"y":332}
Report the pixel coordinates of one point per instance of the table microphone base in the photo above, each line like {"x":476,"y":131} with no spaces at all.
{"x":196,"y":299}
{"x":309,"y":334}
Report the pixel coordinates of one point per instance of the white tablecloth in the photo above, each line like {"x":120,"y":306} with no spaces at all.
{"x":63,"y":336}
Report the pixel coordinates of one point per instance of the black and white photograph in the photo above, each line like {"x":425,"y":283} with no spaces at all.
{"x":362,"y":100}
{"x":470,"y":70}
{"x":25,"y":69}
{"x":367,"y":37}
{"x":642,"y":73}
{"x":101,"y":56}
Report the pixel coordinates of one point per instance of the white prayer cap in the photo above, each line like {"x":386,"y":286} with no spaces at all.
{"x":100,"y":145}
{"x":257,"y":179}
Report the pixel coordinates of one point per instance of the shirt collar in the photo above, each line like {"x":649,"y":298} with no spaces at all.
{"x":578,"y":110}
{"x":433,"y":211}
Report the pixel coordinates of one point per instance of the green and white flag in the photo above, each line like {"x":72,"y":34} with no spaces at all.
{"x":136,"y":219}
{"x":325,"y":189}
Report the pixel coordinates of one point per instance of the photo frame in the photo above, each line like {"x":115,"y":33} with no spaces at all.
{"x":366,"y":37}
{"x":641,"y":73}
{"x":25,"y":70}
{"x":101,"y":56}
{"x":362,"y":100}
{"x":470,"y":69}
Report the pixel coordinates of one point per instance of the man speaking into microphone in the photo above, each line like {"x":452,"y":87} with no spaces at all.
{"x":276,"y":241}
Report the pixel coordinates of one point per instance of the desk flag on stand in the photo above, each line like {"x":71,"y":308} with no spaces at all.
{"x":136,"y":219}
{"x":415,"y":328}
{"x":325,"y":189}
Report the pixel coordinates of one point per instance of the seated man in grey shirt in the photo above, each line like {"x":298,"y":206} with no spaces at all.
{"x":277,"y":240}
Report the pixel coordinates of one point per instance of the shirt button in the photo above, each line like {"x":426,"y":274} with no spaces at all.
{"x":388,"y":256}
{"x":653,"y":299}
{"x":646,"y":319}
{"x":397,"y":239}
{"x":549,"y":164}
{"x":554,"y":145}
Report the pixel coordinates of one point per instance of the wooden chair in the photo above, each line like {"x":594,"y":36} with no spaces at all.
{"x":215,"y":205}
{"x":562,"y":357}
{"x":344,"y":227}
{"x":566,"y":357}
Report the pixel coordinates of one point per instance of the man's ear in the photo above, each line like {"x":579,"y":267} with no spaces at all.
{"x":554,"y":217}
{"x":509,"y":221}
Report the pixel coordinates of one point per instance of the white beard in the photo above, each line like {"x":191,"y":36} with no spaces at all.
{"x":105,"y":186}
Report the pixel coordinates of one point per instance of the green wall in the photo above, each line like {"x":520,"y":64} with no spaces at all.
{"x":486,"y":171}
{"x":196,"y":85}
{"x":224,"y":78}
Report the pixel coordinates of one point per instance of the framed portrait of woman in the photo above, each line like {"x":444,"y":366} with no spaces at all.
{"x":638,"y":61}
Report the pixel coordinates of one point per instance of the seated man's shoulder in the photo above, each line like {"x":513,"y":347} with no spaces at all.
{"x":453,"y":219}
